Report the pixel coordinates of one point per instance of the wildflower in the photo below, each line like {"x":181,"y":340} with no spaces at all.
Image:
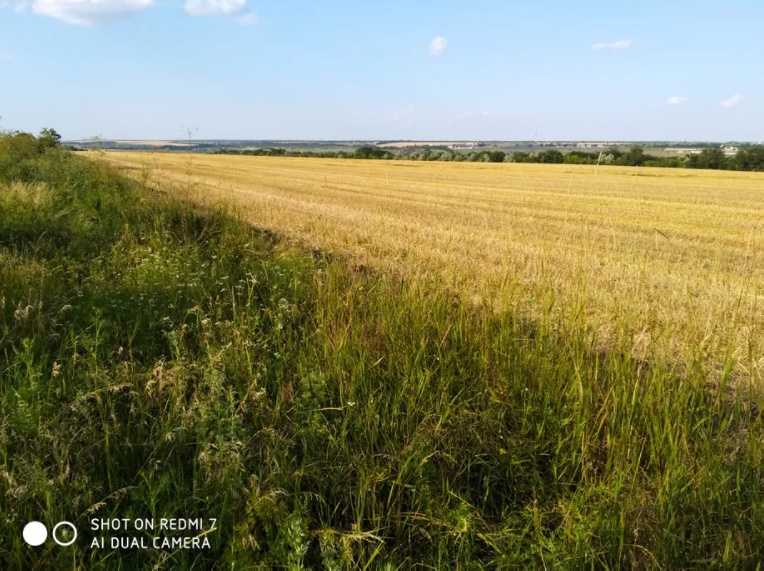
{"x":22,"y":314}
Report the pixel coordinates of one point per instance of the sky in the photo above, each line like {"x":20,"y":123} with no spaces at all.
{"x":384,"y":69}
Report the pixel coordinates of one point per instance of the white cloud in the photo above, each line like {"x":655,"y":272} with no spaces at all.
{"x":676,"y":100}
{"x":88,"y":12}
{"x":733,"y":101}
{"x":617,"y":45}
{"x":214,"y":7}
{"x":438,"y":46}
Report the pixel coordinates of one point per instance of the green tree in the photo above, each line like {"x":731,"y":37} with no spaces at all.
{"x":550,"y":156}
{"x":497,"y":156}
{"x":370,"y":152}
{"x":521,"y":157}
{"x":580,"y":158}
{"x":708,"y":159}
{"x":750,"y":158}
{"x":49,"y":138}
{"x":634,"y":157}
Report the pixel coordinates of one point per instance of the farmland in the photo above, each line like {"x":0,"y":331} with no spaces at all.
{"x":664,"y":264}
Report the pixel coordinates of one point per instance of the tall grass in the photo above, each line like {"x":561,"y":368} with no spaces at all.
{"x":156,"y":360}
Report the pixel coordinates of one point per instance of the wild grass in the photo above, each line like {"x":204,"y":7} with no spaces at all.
{"x":159,"y":360}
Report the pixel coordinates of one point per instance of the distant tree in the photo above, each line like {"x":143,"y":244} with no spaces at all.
{"x":370,"y":152}
{"x":750,"y":158}
{"x":614,"y":154}
{"x":521,"y":157}
{"x":550,"y":156}
{"x":708,"y":159}
{"x":672,"y":162}
{"x":580,"y":158}
{"x":496,"y":156}
{"x":49,"y":138}
{"x":634,"y":157}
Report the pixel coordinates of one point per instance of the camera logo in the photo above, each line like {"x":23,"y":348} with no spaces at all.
{"x":35,"y":533}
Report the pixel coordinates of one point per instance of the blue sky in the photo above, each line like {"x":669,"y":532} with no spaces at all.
{"x":386,"y":69}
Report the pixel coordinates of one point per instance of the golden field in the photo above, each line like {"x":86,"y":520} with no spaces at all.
{"x":663,"y":263}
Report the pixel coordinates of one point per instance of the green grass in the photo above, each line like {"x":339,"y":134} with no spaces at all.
{"x":158,"y":361}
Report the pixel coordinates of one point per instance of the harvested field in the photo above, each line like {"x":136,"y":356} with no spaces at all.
{"x":664,"y":263}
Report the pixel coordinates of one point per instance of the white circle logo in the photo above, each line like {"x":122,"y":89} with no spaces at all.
{"x":35,"y":533}
{"x":64,"y":542}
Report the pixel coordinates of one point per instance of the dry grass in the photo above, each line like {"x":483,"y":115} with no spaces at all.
{"x":661,"y":262}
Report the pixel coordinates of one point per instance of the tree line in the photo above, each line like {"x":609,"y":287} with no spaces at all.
{"x":372,"y":152}
{"x":750,"y":158}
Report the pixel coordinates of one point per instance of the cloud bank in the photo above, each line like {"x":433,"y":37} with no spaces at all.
{"x":92,"y":12}
{"x":236,"y":8}
{"x":88,"y":12}
{"x":214,"y":7}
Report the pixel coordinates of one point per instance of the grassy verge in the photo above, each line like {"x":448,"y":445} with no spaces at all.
{"x":157,"y":361}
